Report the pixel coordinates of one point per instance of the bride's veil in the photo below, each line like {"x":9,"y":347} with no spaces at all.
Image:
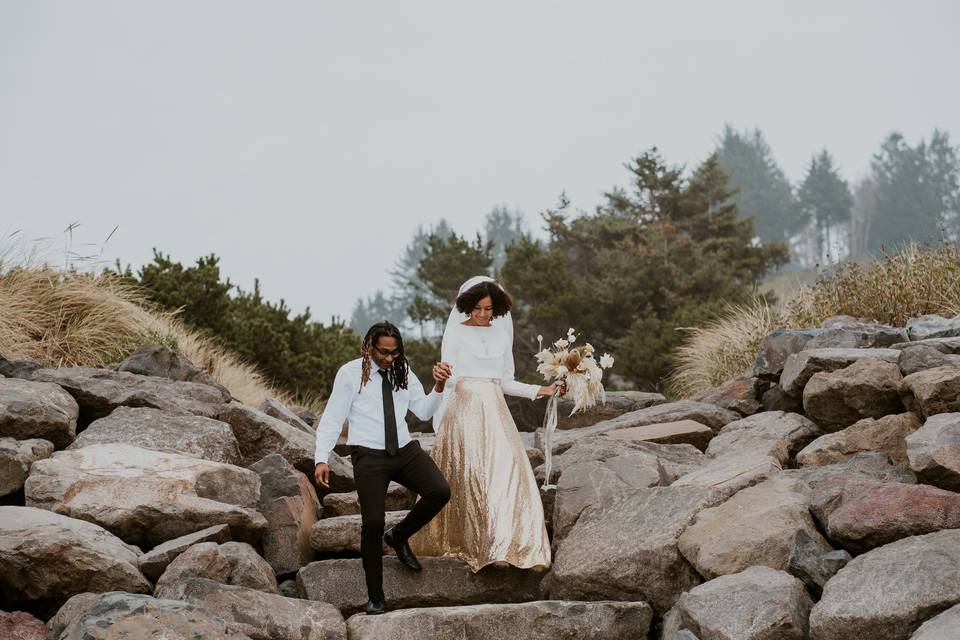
{"x":453,"y":321}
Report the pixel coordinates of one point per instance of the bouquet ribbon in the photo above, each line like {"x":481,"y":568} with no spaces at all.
{"x":549,"y":426}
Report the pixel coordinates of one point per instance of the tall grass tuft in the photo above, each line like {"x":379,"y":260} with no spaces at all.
{"x":73,"y":318}
{"x":911,"y":282}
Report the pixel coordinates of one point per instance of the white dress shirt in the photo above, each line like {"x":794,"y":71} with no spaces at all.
{"x":363,"y":408}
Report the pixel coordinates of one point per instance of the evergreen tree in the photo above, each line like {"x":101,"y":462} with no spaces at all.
{"x":761,"y":190}
{"x":446,"y":263}
{"x":374,"y":309}
{"x":825,"y":199}
{"x":501,"y":229}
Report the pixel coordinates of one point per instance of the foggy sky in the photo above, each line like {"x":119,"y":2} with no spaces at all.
{"x":304,"y":142}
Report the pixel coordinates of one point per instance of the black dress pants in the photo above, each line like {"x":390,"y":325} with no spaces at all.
{"x":373,"y":470}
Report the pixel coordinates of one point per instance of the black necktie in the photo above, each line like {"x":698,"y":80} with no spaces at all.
{"x":389,"y":417}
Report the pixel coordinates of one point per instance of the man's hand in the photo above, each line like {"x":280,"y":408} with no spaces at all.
{"x":321,"y":473}
{"x":441,"y":373}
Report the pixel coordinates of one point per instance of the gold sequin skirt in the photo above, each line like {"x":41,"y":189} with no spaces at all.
{"x":495,"y":513}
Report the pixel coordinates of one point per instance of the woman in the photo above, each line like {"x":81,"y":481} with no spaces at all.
{"x":495,"y":514}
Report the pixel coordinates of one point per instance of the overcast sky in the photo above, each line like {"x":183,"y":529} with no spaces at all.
{"x":304,"y":142}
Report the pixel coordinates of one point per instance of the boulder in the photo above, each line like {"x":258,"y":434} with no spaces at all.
{"x":758,"y":603}
{"x":934,"y":451}
{"x":21,"y":369}
{"x":942,"y":626}
{"x":679,"y":432}
{"x":162,"y":431}
{"x":943,"y":345}
{"x":737,"y":394}
{"x":811,"y":565}
{"x":16,"y":458}
{"x":932,"y":391}
{"x":100,"y":391}
{"x":289,"y":503}
{"x":155,"y":562}
{"x":776,"y":348}
{"x":260,"y":435}
{"x":889,"y":591}
{"x":933,"y":326}
{"x":73,"y":608}
{"x":757,"y":526}
{"x":259,"y":615}
{"x":540,"y":620}
{"x":776,"y":399}
{"x":399,"y":498}
{"x":869,"y":464}
{"x":342,"y":533}
{"x":444,"y":582}
{"x":20,"y":625}
{"x":868,"y":388}
{"x":228,"y":563}
{"x":128,"y":616}
{"x":921,"y":357}
{"x":341,"y":474}
{"x":707,"y":414}
{"x":276,"y":409}
{"x":617,"y":403}
{"x":163,"y":362}
{"x":146,"y":497}
{"x":31,"y":410}
{"x":728,"y":474}
{"x":861,"y":513}
{"x":801,"y":366}
{"x":885,"y":435}
{"x":626,"y":548}
{"x":45,"y":558}
{"x":771,"y":433}
{"x":853,"y":334}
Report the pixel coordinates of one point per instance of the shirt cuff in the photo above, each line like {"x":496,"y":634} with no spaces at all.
{"x":322,"y":457}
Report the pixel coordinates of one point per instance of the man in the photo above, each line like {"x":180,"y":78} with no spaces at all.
{"x":373,"y":393}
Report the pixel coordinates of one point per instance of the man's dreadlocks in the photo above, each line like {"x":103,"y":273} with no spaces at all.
{"x":399,"y":367}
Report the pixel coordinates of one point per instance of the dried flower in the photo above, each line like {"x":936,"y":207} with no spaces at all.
{"x":606,"y":361}
{"x":561,"y":343}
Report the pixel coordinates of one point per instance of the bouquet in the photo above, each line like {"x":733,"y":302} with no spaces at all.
{"x":577,"y":374}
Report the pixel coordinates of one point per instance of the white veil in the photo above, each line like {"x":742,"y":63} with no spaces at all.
{"x":453,"y":321}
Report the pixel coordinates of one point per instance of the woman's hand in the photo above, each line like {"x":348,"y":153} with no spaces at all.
{"x":441,"y":373}
{"x":550,"y":390}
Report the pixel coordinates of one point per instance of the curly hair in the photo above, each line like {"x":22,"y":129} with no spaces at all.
{"x":502,"y":302}
{"x":399,"y":367}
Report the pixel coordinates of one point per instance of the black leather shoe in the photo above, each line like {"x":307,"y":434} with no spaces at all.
{"x":404,"y":553}
{"x":376,"y":607}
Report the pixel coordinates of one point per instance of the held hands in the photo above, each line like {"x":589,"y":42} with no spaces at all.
{"x":321,"y":473}
{"x":441,"y":373}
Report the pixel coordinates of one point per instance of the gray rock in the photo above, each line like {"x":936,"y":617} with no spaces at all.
{"x":932,"y":391}
{"x":868,"y":464}
{"x":861,"y":513}
{"x":728,"y":474}
{"x":801,"y":366}
{"x":260,"y":435}
{"x":776,"y":348}
{"x":707,"y":414}
{"x":341,"y":474}
{"x":342,"y":533}
{"x":155,"y":562}
{"x":541,"y":620}
{"x":679,"y":432}
{"x":127,"y":616}
{"x":775,"y":399}
{"x":940,"y":627}
{"x":934,"y":451}
{"x":444,"y":582}
{"x":889,"y":591}
{"x":21,"y":369}
{"x":399,"y":498}
{"x":617,"y":403}
{"x":289,"y":503}
{"x":16,"y":458}
{"x":259,"y":615}
{"x":921,"y":357}
{"x":163,"y":362}
{"x":31,"y":410}
{"x":146,"y":496}
{"x":886,"y":435}
{"x":771,"y":433}
{"x":811,"y":565}
{"x":738,"y":394}
{"x":626,"y":549}
{"x":933,"y":326}
{"x":758,"y":603}
{"x":852,"y":334}
{"x":943,"y":345}
{"x":73,"y":608}
{"x":234,"y":563}
{"x":676,"y":459}
{"x":868,"y":388}
{"x":162,"y":431}
{"x":276,"y":409}
{"x":757,"y":526}
{"x":100,"y":391}
{"x":45,"y":558}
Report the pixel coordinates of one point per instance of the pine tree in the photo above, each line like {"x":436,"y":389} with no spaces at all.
{"x":501,"y":229}
{"x":825,"y":199}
